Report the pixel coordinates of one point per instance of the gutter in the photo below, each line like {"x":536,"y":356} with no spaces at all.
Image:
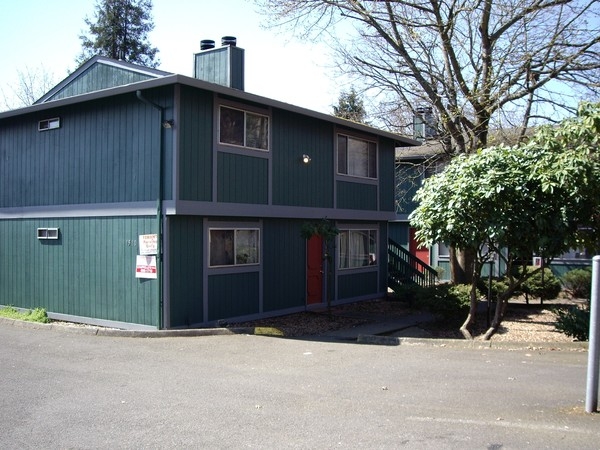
{"x":159,"y":204}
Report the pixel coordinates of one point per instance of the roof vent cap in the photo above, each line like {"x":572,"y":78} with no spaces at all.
{"x":228,"y":41}
{"x":207,"y":44}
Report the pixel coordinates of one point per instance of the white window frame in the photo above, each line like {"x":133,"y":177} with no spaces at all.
{"x":48,"y":233}
{"x":49,"y":124}
{"x":235,"y":230}
{"x":344,"y":164}
{"x":246,"y":113}
{"x":346,"y":252}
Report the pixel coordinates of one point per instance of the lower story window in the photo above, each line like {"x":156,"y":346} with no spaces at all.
{"x":234,"y":246}
{"x":358,"y":248}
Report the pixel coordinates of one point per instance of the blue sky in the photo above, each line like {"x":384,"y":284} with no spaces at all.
{"x":43,"y":35}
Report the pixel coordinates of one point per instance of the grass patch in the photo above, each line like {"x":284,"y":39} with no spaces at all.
{"x":268,"y":331}
{"x":34,"y":315}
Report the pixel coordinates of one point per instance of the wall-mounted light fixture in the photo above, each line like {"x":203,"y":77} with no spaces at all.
{"x":305,"y":158}
{"x":168,"y":123}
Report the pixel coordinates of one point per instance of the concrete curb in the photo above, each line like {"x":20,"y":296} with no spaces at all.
{"x":477,"y":344}
{"x":367,"y":339}
{"x":99,"y":331}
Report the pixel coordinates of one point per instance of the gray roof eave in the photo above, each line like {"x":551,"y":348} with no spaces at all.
{"x":400,"y":141}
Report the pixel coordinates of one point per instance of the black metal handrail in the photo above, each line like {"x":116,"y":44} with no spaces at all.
{"x":404,"y":267}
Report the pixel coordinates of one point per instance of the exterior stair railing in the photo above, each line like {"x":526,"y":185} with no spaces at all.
{"x":406,"y":268}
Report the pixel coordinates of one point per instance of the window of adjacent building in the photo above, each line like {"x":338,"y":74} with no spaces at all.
{"x":243,"y":128}
{"x":357,"y":248}
{"x":443,"y":250}
{"x":356,"y":157}
{"x":234,"y":246}
{"x":49,"y":124}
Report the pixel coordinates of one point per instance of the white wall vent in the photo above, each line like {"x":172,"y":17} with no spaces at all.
{"x":47,"y":233}
{"x":49,"y":124}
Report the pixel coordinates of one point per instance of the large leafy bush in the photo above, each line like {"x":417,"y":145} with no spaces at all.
{"x":578,"y":282}
{"x":575,"y":321}
{"x":447,"y":301}
{"x":547,"y":288}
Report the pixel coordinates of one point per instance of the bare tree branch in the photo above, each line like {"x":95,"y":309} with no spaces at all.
{"x":478,"y":63}
{"x":31,"y":84}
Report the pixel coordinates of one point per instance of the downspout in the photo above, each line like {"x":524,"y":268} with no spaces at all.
{"x":159,"y":205}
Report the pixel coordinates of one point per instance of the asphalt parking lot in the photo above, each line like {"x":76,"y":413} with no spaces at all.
{"x":66,"y":390}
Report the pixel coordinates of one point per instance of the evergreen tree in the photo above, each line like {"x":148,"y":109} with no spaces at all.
{"x":350,"y":106}
{"x":120,"y":31}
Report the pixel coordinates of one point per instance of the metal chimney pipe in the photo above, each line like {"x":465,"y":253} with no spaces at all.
{"x":228,"y":41}
{"x":207,"y":44}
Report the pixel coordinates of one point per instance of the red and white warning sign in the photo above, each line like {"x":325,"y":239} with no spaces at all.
{"x":145,"y":267}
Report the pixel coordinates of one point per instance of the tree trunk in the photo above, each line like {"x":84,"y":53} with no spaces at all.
{"x":461,"y":265}
{"x":498,"y":316}
{"x":471,"y":318}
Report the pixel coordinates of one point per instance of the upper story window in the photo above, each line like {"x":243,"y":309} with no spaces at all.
{"x":356,"y":157}
{"x":243,"y":128}
{"x":49,"y":124}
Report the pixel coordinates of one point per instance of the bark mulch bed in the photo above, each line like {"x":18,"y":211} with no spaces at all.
{"x":522,"y":323}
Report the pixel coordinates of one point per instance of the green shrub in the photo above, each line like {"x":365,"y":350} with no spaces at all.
{"x":37,"y":315}
{"x":499,"y":285}
{"x":578,"y":283}
{"x":547,"y":290}
{"x":447,"y":301}
{"x":407,"y":292}
{"x":574,"y":322}
{"x":34,"y":315}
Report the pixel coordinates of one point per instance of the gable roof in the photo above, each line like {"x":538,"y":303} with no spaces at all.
{"x":99,"y":73}
{"x":102,"y":77}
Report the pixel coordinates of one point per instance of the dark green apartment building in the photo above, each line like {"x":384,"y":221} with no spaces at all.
{"x":139,"y":198}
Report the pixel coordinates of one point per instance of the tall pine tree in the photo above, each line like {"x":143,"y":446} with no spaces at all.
{"x":350,"y":106}
{"x":120,"y":31}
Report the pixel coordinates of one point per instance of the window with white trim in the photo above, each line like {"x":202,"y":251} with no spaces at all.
{"x":243,"y":128}
{"x":357,"y":248}
{"x":49,"y":124}
{"x":234,"y":246}
{"x":47,"y":233}
{"x":356,"y":157}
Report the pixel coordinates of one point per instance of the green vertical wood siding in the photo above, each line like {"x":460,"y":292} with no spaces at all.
{"x":296,"y":183}
{"x":89,"y":271}
{"x":356,"y":196}
{"x":233,"y":295}
{"x":356,"y":284}
{"x":224,"y":66}
{"x":242,"y":179}
{"x":195,"y":145}
{"x":104,"y":152}
{"x":284,"y":265}
{"x":186,"y":270}
{"x":387,"y":153}
{"x":100,"y":76}
{"x":399,"y":233}
{"x":408,"y":181}
{"x":383,"y":256}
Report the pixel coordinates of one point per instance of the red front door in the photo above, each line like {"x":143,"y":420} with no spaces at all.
{"x":314,"y":270}
{"x":420,"y":251}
